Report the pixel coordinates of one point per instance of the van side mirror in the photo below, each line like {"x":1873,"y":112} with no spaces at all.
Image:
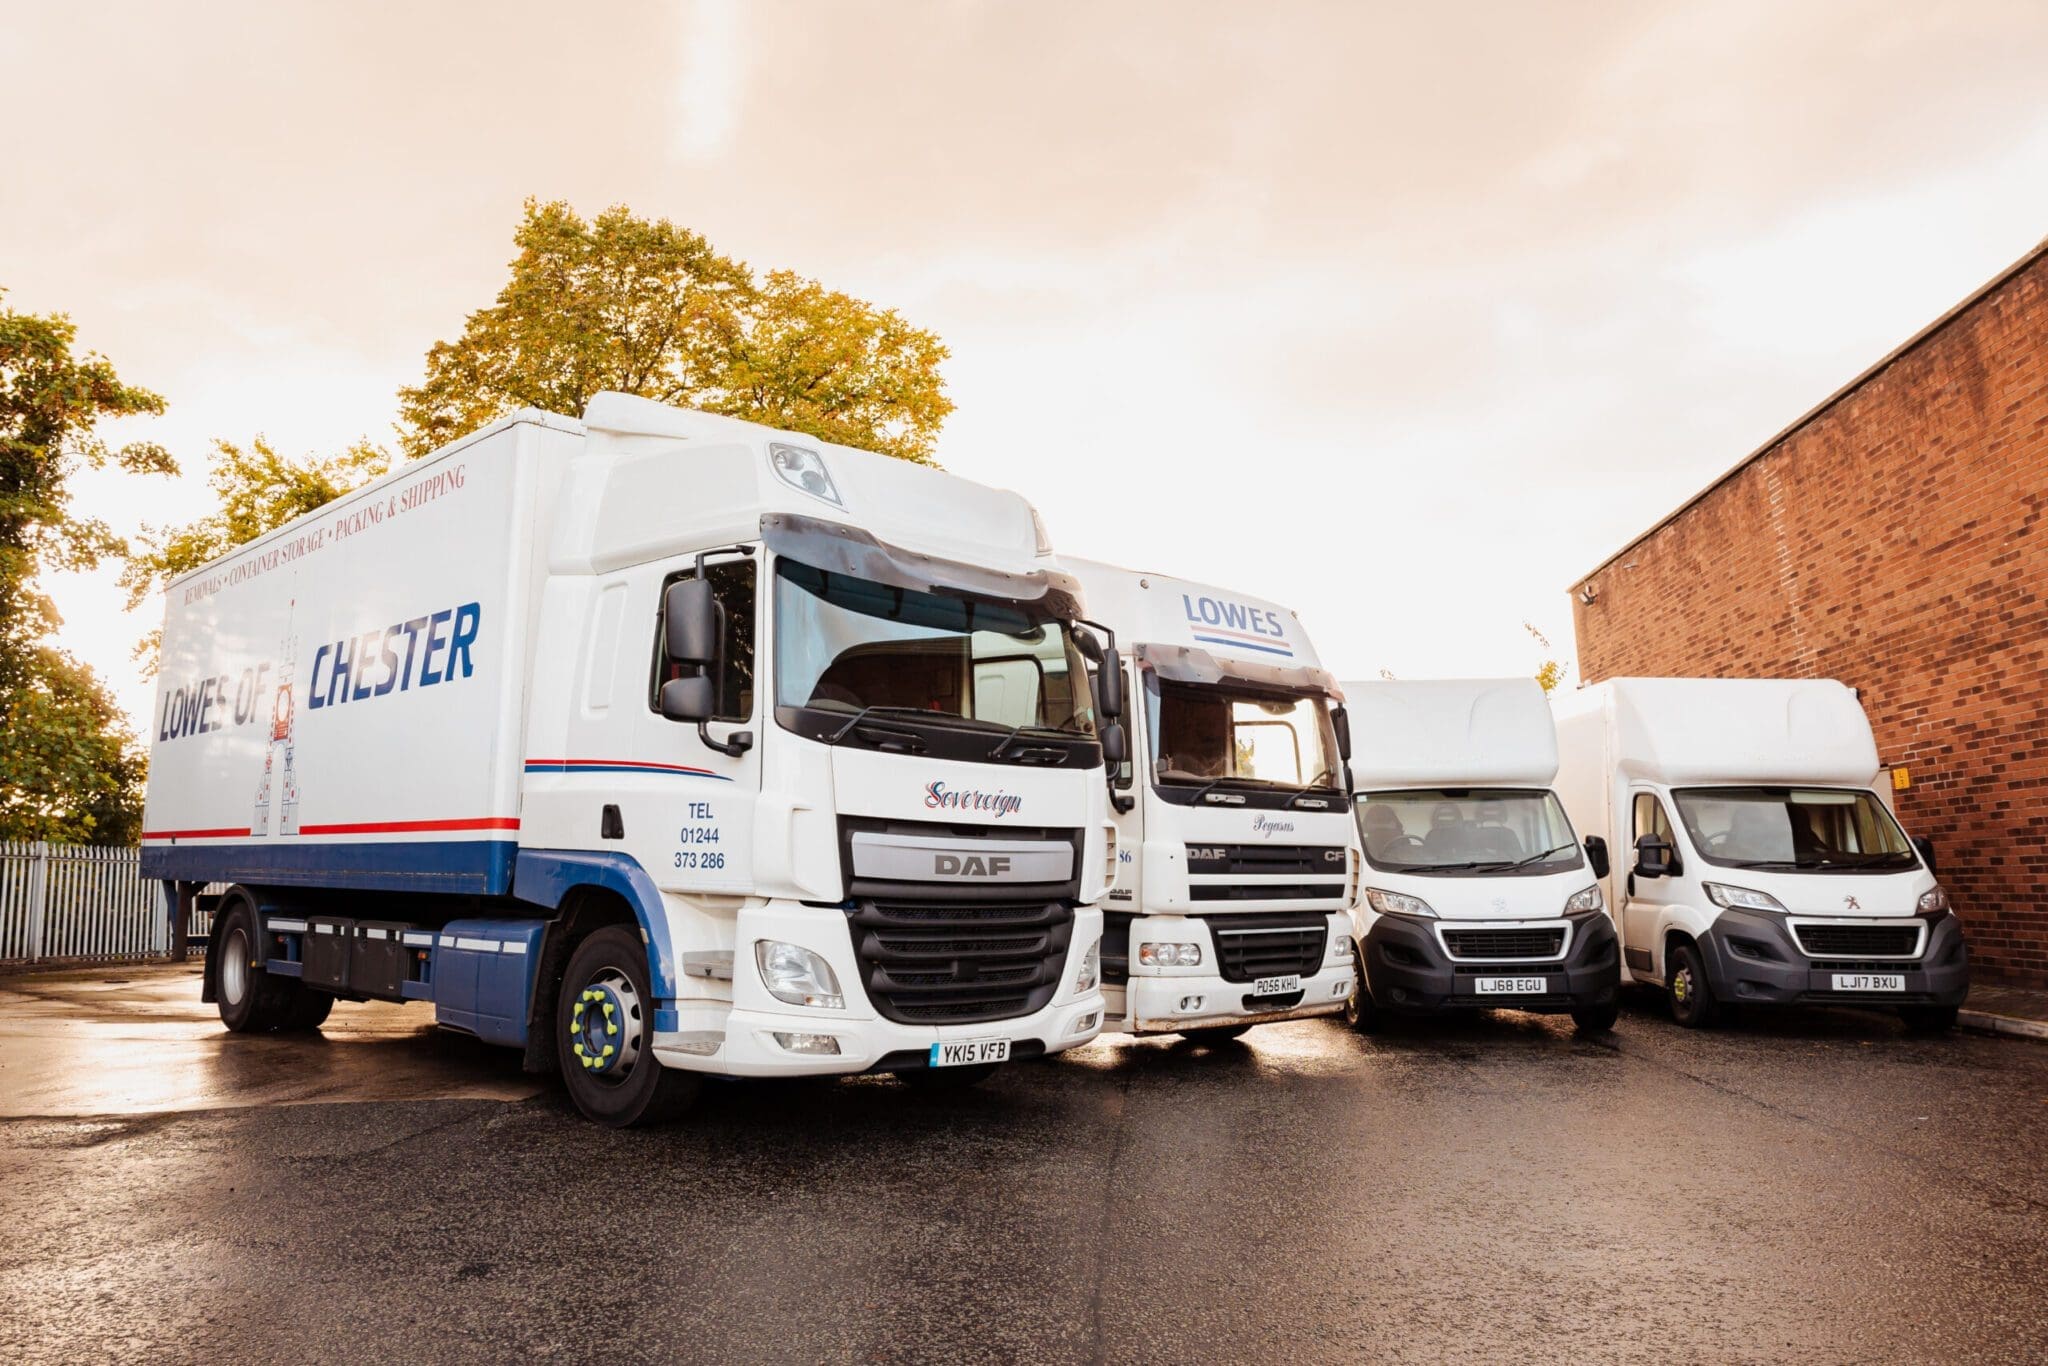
{"x":690,"y":622}
{"x":1596,"y":855}
{"x":1115,"y":746}
{"x":1340,"y":721}
{"x":1926,"y":849}
{"x":689,"y":699}
{"x":1655,"y":857}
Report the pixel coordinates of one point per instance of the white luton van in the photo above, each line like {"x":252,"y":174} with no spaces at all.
{"x":1758,"y":865}
{"x":1238,"y":852}
{"x":655,"y":744}
{"x":1477,"y":893}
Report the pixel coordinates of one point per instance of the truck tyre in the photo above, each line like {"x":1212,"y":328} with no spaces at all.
{"x":1929,"y":1019}
{"x":251,"y":1000}
{"x":307,"y":1010}
{"x":1596,"y":1019}
{"x":604,"y":1020}
{"x":1360,"y":1013}
{"x":1692,"y":1000}
{"x":948,"y":1078}
{"x":1214,"y":1034}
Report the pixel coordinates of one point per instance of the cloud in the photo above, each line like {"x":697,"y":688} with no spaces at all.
{"x":711,"y":82}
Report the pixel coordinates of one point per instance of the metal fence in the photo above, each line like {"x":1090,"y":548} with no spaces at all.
{"x":81,"y":903}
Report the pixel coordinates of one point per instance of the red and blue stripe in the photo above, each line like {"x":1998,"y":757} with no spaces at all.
{"x":619,"y":766}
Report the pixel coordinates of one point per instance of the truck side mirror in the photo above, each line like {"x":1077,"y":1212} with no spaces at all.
{"x":1115,"y":748}
{"x":689,"y":632}
{"x":1340,"y":721}
{"x":1109,"y":684}
{"x":1926,"y":848}
{"x":1655,"y":857}
{"x":689,"y":699}
{"x":1596,"y":854}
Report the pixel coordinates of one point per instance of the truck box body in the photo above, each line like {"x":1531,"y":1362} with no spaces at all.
{"x":1251,"y":874}
{"x":1791,"y":880}
{"x":1476,"y":893}
{"x":446,"y":696}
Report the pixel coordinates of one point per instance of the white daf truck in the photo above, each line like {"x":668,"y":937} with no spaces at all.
{"x":655,"y":744}
{"x":1759,"y":864}
{"x":1477,"y":894}
{"x":1238,"y":852}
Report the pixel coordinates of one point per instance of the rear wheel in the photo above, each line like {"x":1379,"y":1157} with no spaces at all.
{"x":1214,"y":1033}
{"x":605,"y":1021}
{"x":1930,"y":1019}
{"x":948,"y":1078}
{"x":1596,"y":1019}
{"x":1692,"y":1000}
{"x":251,"y":1000}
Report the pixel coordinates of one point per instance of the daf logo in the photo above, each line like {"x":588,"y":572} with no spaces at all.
{"x":1849,"y":903}
{"x":971,"y":865}
{"x":1201,"y":854}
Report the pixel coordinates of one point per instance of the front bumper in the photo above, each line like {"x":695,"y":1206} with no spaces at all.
{"x":1171,"y":1001}
{"x":1752,"y":958}
{"x":1407,"y":971}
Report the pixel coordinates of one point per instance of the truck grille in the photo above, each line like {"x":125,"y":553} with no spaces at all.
{"x":1539,"y":942}
{"x":960,"y":962}
{"x":1325,"y":859}
{"x":1857,"y":941}
{"x":1265,"y":891}
{"x":1249,"y":947}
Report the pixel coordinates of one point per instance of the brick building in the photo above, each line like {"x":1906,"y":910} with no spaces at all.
{"x":1893,"y":538}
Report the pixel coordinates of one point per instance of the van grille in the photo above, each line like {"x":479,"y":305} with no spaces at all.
{"x":1857,"y":941}
{"x":1539,"y":942}
{"x":960,"y":962}
{"x":1249,"y":947}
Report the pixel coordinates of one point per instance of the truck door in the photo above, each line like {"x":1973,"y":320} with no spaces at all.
{"x":1644,"y":898}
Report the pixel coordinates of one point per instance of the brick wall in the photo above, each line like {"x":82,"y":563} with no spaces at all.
{"x":1895,"y":540}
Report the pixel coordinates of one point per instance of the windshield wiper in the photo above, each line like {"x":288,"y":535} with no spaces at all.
{"x":1036,"y":754}
{"x":904,"y":739}
{"x":1313,"y":785}
{"x":1502,"y":865}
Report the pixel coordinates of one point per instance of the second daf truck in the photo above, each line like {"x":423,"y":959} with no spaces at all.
{"x":1238,"y":853}
{"x":656,"y":745}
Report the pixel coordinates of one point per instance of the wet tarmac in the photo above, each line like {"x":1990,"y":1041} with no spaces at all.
{"x":1811,"y":1187}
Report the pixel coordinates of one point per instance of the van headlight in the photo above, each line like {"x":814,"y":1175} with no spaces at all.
{"x":1741,"y":898}
{"x":793,"y":974}
{"x":1091,"y":968}
{"x":1933,"y":903}
{"x":1397,"y":903}
{"x":1584,"y":900}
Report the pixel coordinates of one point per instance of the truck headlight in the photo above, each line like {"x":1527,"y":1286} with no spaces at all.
{"x":1584,"y":900}
{"x":794,"y":974}
{"x":1091,"y":968}
{"x":1741,"y":898}
{"x":1933,"y":904}
{"x":1397,"y":903}
{"x":1170,"y":955}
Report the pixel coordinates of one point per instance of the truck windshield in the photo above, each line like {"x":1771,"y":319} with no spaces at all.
{"x":1466,"y":830}
{"x":864,"y":662}
{"x":1206,"y":734}
{"x":1794,"y":829}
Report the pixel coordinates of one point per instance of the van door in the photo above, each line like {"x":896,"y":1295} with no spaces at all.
{"x":1644,"y":898}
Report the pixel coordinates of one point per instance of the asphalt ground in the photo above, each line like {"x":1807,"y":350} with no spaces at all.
{"x":1812,"y":1187}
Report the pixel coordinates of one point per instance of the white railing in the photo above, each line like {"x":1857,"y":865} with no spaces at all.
{"x":81,"y":902}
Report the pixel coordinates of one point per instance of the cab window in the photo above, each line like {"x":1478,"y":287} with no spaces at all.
{"x":732,"y":583}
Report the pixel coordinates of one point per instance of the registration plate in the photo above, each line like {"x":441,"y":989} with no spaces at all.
{"x":1512,"y":986}
{"x":969,"y":1052}
{"x":1870,"y":981}
{"x":1277,"y":986}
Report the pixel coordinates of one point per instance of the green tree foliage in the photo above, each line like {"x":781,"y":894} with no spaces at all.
{"x":69,"y":769}
{"x":256,"y":490}
{"x":1549,"y":673}
{"x":650,"y":308}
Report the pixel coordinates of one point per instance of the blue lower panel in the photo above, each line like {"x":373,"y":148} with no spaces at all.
{"x":463,"y":867}
{"x":483,"y":976}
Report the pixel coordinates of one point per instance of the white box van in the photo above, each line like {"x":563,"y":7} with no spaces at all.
{"x":1756,"y":863}
{"x":1476,"y":894}
{"x":1238,"y":854}
{"x":653,"y":744}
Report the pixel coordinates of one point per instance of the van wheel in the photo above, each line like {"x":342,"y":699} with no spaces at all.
{"x":1359,"y":1011}
{"x":604,"y":1019}
{"x":948,"y":1078}
{"x":251,"y":1000}
{"x":1929,"y":1019}
{"x":1214,"y":1034}
{"x":1692,"y":1000}
{"x":1596,"y":1019}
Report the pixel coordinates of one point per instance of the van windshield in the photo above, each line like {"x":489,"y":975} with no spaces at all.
{"x":1466,"y":830}
{"x":1794,"y":829}
{"x":867,"y":663}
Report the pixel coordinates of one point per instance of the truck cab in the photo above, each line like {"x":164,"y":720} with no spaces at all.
{"x":1756,"y":862}
{"x":1477,"y":893}
{"x":1236,"y":852}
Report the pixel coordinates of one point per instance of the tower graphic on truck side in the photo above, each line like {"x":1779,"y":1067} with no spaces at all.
{"x":281,"y":725}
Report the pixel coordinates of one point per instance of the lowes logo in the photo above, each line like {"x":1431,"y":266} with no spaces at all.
{"x":1236,"y":625}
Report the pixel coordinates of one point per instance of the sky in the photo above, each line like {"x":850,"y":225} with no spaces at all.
{"x":1402,"y":315}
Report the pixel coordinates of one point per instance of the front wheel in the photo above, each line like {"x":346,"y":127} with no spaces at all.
{"x":1930,"y":1019}
{"x":1692,"y":1000}
{"x":604,"y":1019}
